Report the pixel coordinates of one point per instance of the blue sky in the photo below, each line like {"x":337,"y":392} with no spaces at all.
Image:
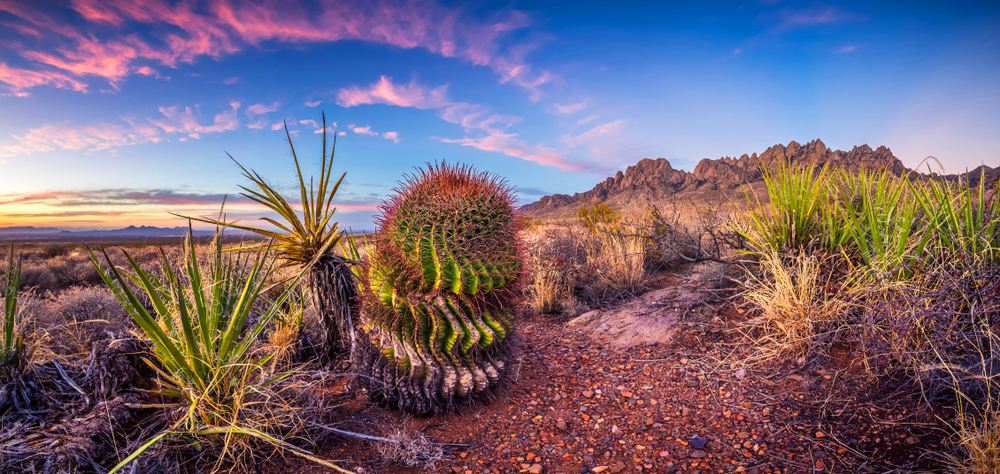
{"x":116,"y":112}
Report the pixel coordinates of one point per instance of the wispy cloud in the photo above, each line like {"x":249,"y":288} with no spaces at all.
{"x":257,"y":109}
{"x":586,"y":120}
{"x":258,"y":125}
{"x":604,"y":141}
{"x":490,"y":128}
{"x":569,"y":109}
{"x":394,"y":136}
{"x":313,"y":104}
{"x":173,"y":120}
{"x":186,"y":31}
{"x":846,"y":49}
{"x":510,"y":145}
{"x":386,"y":92}
{"x":177,"y":121}
{"x":788,"y":18}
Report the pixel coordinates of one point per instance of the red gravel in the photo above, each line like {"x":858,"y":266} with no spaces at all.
{"x":578,"y":406}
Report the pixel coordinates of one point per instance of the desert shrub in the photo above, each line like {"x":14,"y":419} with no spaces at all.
{"x":73,"y":269}
{"x":555,"y":257}
{"x":52,"y":250}
{"x":706,"y":236}
{"x":598,"y":216}
{"x":37,"y":275}
{"x":796,"y":308}
{"x":935,"y":325}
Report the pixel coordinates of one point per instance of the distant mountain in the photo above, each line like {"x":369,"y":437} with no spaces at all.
{"x":130,"y":232}
{"x":655,"y":182}
{"x":28,"y":230}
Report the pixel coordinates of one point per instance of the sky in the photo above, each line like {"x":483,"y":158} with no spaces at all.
{"x":121,"y":112}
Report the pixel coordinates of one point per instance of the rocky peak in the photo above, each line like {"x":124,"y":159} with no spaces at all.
{"x":652,"y":180}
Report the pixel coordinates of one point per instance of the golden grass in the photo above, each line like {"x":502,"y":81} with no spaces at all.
{"x":793,"y":302}
{"x":618,"y":259}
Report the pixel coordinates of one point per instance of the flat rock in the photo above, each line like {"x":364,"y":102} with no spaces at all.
{"x":647,"y":320}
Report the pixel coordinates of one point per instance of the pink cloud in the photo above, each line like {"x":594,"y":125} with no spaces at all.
{"x":366,"y":130}
{"x":329,"y":129}
{"x":19,"y":79}
{"x":586,"y":120}
{"x":469,"y":116}
{"x":312,"y":104}
{"x":177,"y":121}
{"x":385,"y":92}
{"x":569,"y":109}
{"x":186,"y":31}
{"x":847,"y":49}
{"x":277,"y":126}
{"x":258,"y":125}
{"x":91,"y":138}
{"x":394,"y":136}
{"x":258,"y":109}
{"x":510,"y":145}
{"x":310,"y":122}
{"x":107,"y":136}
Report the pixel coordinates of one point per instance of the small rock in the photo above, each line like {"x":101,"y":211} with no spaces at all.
{"x":913,"y":439}
{"x":685,"y":411}
{"x":588,"y":394}
{"x":599,"y":469}
{"x":742,"y":435}
{"x":535,"y":469}
{"x":617,"y":468}
{"x":561,"y":425}
{"x":664,"y":454}
{"x":697,"y":454}
{"x":740,"y":374}
{"x":671,"y":469}
{"x":626,"y":394}
{"x":699,"y":442}
{"x":819,"y":434}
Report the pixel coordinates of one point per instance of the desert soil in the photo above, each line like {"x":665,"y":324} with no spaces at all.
{"x":583,"y":403}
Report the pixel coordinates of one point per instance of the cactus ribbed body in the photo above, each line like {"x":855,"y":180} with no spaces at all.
{"x":437,"y":289}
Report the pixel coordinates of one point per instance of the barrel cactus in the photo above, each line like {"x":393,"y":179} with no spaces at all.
{"x":439,"y":288}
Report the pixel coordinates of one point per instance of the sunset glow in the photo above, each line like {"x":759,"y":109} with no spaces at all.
{"x":118,"y":112}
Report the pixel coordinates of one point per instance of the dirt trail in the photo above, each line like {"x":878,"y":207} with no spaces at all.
{"x":582,"y":404}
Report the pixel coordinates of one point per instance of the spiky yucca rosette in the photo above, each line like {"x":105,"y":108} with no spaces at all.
{"x":439,"y":288}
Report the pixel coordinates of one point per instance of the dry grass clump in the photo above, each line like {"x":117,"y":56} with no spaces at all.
{"x":555,"y":259}
{"x":410,"y":448}
{"x":618,"y":259}
{"x":794,"y":304}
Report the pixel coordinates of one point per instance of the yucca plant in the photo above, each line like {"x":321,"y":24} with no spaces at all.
{"x":799,"y":212}
{"x":966,"y":218}
{"x":17,"y":389}
{"x":203,"y":346}
{"x":11,"y":343}
{"x":439,"y":288}
{"x":309,"y":238}
{"x":882,"y":220}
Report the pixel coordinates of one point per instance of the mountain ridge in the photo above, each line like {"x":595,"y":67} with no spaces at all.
{"x":651,"y":182}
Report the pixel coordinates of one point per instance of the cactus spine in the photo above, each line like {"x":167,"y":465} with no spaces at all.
{"x":438,"y":289}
